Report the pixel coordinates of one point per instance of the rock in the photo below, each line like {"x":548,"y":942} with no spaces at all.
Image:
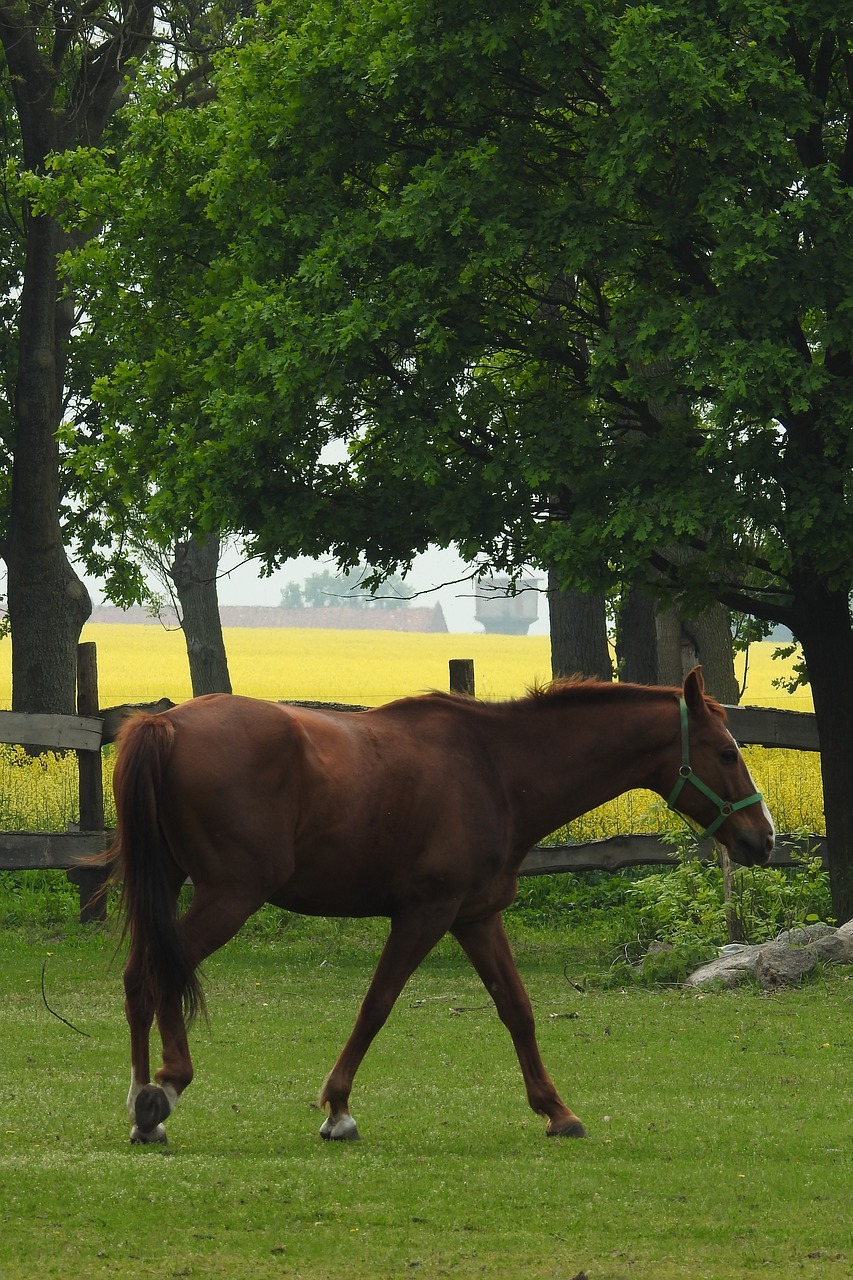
{"x":780,"y":965}
{"x":836,"y":947}
{"x":808,"y":933}
{"x":845,"y":930}
{"x":734,"y":966}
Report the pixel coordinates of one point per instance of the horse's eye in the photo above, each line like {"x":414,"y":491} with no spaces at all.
{"x":728,"y":756}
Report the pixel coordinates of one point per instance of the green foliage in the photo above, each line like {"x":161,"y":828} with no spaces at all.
{"x":569,"y":900}
{"x":799,"y":676}
{"x":37,"y":899}
{"x":535,"y":253}
{"x":682,"y":906}
{"x":680,"y":917}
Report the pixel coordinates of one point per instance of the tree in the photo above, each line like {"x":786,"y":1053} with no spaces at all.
{"x":357,"y":589}
{"x":578,"y":631}
{"x":193,"y":572}
{"x":672,"y":180}
{"x":291,"y":596}
{"x":64,"y":75}
{"x":62,"y":72}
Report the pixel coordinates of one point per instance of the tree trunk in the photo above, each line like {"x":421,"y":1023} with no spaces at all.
{"x":48,"y":603}
{"x":668,"y":633}
{"x":636,"y":638}
{"x":578,"y":632}
{"x":821,"y":623}
{"x":656,"y":644}
{"x":194,"y":575}
{"x":706,"y":639}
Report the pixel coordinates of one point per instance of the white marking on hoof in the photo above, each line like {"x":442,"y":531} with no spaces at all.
{"x":172,"y":1095}
{"x":138,"y":1136}
{"x":340,"y":1129}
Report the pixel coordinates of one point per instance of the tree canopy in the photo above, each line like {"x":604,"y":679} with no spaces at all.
{"x":572,"y":281}
{"x":567,"y":278}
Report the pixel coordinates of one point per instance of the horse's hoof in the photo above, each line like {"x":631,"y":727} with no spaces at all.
{"x":151,"y":1107}
{"x":574,"y":1129}
{"x":343,"y":1130}
{"x":142,"y":1137}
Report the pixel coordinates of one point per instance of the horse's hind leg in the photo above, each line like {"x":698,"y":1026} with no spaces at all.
{"x":211,"y":920}
{"x":412,"y":936}
{"x":139,"y":1011}
{"x":487,"y":947}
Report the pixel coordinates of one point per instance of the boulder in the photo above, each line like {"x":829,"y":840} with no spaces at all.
{"x":780,"y":965}
{"x":734,"y":965}
{"x":836,"y":947}
{"x":807,"y":933}
{"x":845,"y":930}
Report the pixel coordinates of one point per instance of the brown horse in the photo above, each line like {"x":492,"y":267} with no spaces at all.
{"x":421,"y":811}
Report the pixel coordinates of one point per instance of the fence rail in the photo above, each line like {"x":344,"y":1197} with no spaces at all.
{"x":90,"y":730}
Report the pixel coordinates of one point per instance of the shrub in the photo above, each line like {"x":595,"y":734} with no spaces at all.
{"x":679,"y":917}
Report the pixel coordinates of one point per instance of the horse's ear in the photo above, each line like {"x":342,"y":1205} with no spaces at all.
{"x":694,"y":692}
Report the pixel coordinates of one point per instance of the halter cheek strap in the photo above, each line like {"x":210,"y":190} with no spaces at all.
{"x":686,"y":774}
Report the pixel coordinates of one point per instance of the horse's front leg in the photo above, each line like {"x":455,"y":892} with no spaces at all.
{"x":487,"y":947}
{"x":412,"y":936}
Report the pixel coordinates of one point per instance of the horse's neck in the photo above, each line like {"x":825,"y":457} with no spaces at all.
{"x":562,"y":760}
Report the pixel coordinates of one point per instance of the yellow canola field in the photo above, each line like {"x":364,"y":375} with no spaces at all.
{"x":143,"y":663}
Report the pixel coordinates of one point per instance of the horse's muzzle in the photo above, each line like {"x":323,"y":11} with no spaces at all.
{"x":752,"y":849}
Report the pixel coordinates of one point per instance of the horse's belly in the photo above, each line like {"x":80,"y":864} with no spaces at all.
{"x":366,"y":883}
{"x":330,"y":906}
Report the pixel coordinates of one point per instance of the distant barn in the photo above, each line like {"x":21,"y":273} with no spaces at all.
{"x":334,"y":617}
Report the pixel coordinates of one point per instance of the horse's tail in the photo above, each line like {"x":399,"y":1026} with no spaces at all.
{"x":141,"y":863}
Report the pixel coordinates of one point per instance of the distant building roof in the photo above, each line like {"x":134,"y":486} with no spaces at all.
{"x":334,"y":617}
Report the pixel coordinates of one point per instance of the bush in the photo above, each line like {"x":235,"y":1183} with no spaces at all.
{"x":679,"y":917}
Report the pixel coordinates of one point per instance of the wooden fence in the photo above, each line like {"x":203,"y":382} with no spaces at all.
{"x":91,"y":729}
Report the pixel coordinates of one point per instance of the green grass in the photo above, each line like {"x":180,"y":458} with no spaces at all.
{"x":721,"y":1144}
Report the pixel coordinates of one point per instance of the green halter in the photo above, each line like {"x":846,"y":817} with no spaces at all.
{"x":686,"y":774}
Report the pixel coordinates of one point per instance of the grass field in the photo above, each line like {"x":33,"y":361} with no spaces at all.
{"x":720,"y":1146}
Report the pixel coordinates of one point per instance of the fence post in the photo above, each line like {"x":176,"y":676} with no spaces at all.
{"x":89,"y":879}
{"x":462,"y":676}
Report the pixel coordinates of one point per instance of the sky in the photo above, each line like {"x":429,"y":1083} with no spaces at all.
{"x":435,"y":575}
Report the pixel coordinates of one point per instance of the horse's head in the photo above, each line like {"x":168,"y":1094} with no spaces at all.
{"x":714,"y":786}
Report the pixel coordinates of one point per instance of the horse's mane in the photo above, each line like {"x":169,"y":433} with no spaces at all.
{"x":581,"y":689}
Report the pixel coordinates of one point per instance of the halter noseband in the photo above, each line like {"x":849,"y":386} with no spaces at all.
{"x":686,"y":774}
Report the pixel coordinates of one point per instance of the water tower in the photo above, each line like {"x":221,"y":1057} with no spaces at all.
{"x":505,"y":609}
